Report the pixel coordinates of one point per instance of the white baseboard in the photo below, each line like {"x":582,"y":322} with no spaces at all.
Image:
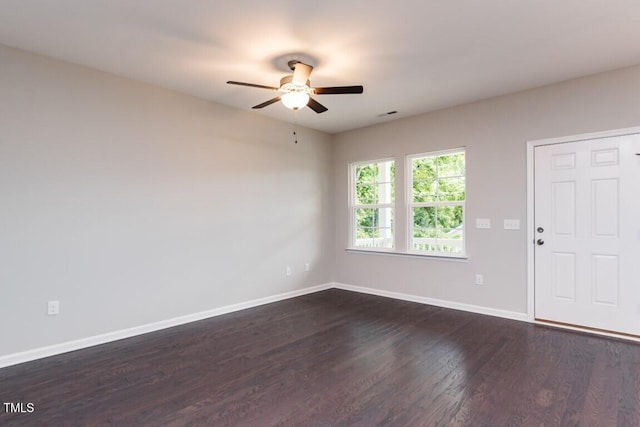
{"x":39,"y":353}
{"x":513,"y":315}
{"x":52,"y":350}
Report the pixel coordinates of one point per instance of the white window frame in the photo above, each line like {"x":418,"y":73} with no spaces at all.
{"x":410,"y":204}
{"x":353,"y":206}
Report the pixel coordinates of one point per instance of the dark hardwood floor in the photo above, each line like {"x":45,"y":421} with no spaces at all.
{"x":336,"y":358}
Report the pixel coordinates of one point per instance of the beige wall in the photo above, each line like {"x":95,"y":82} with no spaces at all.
{"x":495,"y":133}
{"x":131,"y":204}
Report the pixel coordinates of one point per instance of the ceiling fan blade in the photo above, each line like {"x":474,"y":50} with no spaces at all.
{"x":231,"y":82}
{"x":301,"y":73}
{"x":316,"y":106}
{"x":269,"y":102}
{"x":338,"y":90}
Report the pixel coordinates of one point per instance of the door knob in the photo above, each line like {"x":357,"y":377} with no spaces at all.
{"x":539,"y":242}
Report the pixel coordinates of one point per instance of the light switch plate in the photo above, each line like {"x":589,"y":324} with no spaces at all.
{"x":512,"y":224}
{"x":483,"y":223}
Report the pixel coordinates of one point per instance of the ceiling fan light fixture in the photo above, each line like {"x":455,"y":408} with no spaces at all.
{"x":296,"y":89}
{"x":295,"y":100}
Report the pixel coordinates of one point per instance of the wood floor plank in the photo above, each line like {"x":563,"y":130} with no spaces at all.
{"x":336,"y":358}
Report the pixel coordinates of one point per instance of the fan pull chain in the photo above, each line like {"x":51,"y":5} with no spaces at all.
{"x":295,"y":126}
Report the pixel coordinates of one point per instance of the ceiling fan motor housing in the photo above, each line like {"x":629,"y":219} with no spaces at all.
{"x":287,"y":85}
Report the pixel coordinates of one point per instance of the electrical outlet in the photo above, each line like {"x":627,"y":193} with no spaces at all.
{"x":512,"y":224}
{"x":483,"y":223}
{"x":307,"y":267}
{"x":479,"y":279}
{"x":288,"y":271}
{"x":53,"y":308}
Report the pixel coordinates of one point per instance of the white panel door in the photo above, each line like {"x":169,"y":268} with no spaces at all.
{"x":587,"y":219}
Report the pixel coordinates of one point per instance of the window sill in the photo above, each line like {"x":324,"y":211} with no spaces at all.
{"x":453,"y":258}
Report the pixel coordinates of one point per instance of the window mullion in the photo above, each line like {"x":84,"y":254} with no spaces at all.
{"x":436,"y":204}
{"x":373,"y":206}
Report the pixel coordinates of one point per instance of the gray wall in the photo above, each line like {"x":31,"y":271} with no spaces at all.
{"x":495,"y":133}
{"x":132,"y":204}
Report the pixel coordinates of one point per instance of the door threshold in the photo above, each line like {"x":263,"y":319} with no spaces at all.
{"x":587,"y":329}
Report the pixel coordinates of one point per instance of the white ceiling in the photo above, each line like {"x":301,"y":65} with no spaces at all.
{"x":410,"y":56}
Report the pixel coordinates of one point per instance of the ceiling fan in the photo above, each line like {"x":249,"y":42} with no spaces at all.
{"x":296,"y":89}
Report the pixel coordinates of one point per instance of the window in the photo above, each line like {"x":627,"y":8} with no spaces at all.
{"x":436,"y":203}
{"x":372,"y":200}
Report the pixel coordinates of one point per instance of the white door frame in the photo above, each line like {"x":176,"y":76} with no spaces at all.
{"x":531,"y":200}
